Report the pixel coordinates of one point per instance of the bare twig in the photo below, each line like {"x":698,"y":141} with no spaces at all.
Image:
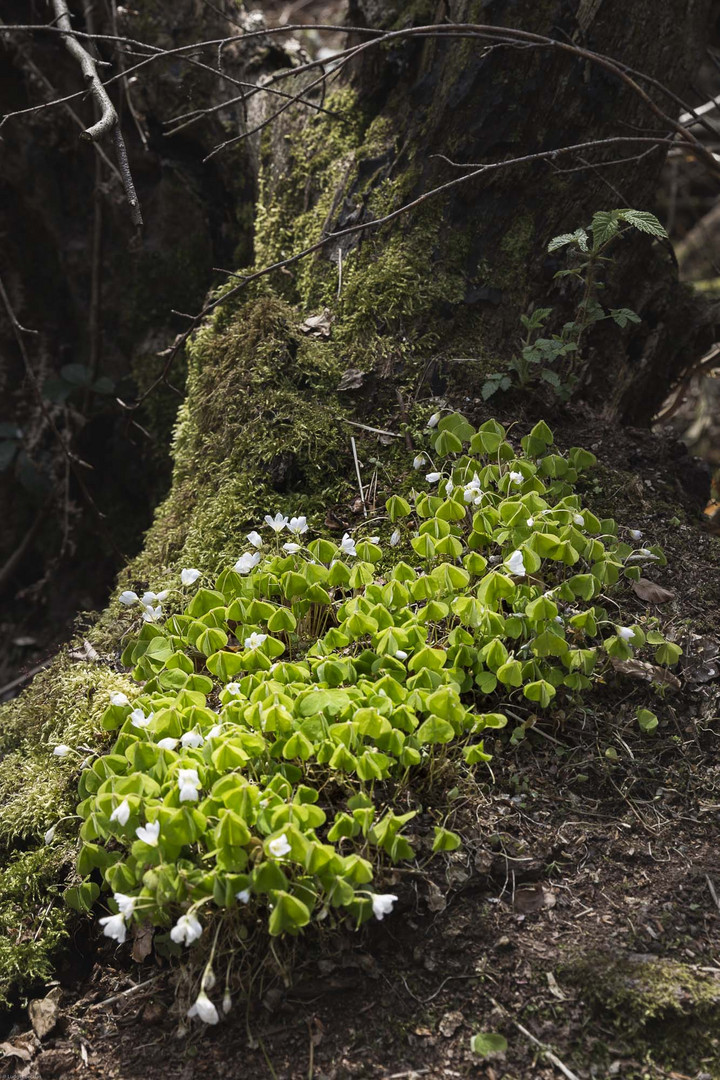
{"x":108,"y":116}
{"x":366,"y":427}
{"x":551,"y":1057}
{"x":359,"y":477}
{"x":125,"y":993}
{"x":108,"y":120}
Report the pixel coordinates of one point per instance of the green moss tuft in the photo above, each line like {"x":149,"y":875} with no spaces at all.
{"x":63,"y":704}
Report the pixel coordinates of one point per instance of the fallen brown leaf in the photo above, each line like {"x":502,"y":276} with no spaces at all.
{"x":43,"y":1012}
{"x":142,"y":942}
{"x":650,"y":591}
{"x":317,"y":326}
{"x":10,"y":1050}
{"x":534,"y":898}
{"x":641,"y":669}
{"x":449,"y":1023}
{"x":352,"y":379}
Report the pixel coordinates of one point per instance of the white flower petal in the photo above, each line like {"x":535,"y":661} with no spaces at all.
{"x":279,"y":846}
{"x":189,"y":576}
{"x":382,"y":904}
{"x":121,"y":813}
{"x":128,"y":597}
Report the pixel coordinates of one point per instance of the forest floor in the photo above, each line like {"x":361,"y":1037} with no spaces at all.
{"x":581,"y":919}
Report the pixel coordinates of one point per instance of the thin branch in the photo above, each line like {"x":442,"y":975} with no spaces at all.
{"x":108,"y":116}
{"x":108,"y":120}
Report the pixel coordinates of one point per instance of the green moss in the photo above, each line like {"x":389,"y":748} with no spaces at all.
{"x":63,"y":704}
{"x":668,"y":1011}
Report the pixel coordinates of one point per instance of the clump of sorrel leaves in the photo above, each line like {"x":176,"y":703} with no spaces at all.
{"x":281,"y":713}
{"x":556,"y":359}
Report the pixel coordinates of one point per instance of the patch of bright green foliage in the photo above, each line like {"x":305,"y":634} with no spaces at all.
{"x":297,"y":699}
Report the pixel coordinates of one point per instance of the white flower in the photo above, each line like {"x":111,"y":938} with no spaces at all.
{"x":192,"y":739}
{"x":578,"y":519}
{"x":433,"y":477}
{"x":347,"y":545}
{"x":292,"y":549}
{"x":255,"y":640}
{"x":636,"y":534}
{"x":126,"y":904}
{"x":516,"y":477}
{"x":186,"y":930}
{"x":279,"y":846}
{"x":61,"y":750}
{"x":395,"y":538}
{"x":214,"y":732}
{"x":226,"y":1002}
{"x":189,"y":576}
{"x":152,"y":614}
{"x":149,"y":598}
{"x":121,"y":813}
{"x":374,"y":539}
{"x":449,"y":487}
{"x":204,"y":1009}
{"x":188,"y":783}
{"x":255,"y":539}
{"x":401,"y":654}
{"x":625,"y":632}
{"x":233,"y":688}
{"x":418,"y":461}
{"x":297,"y":526}
{"x":168,"y":744}
{"x":149,"y":833}
{"x":118,"y":698}
{"x":530,"y":522}
{"x":382,"y":904}
{"x":139,"y":719}
{"x":50,"y":835}
{"x":516,"y":564}
{"x":128,"y":597}
{"x":434,"y":420}
{"x":114,"y":927}
{"x":278,"y":523}
{"x":246,"y":562}
{"x":243,"y":896}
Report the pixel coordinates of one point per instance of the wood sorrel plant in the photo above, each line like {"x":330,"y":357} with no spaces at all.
{"x":213,"y":795}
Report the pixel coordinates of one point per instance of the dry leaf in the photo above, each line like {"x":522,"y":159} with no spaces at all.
{"x":641,"y":669}
{"x":317,"y":326}
{"x":142,"y":941}
{"x":533,"y":898}
{"x":449,"y":1024}
{"x":435,"y":898}
{"x":654,"y":594}
{"x":703,"y":663}
{"x":10,"y":1050}
{"x":44,"y":1012}
{"x":352,"y":379}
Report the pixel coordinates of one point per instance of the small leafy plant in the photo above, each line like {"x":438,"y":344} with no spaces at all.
{"x":538,"y":357}
{"x":281,"y":714}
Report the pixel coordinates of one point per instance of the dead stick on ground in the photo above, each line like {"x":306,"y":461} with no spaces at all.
{"x":359,"y":478}
{"x":552,"y":1057}
{"x":125,"y":993}
{"x":714,"y":895}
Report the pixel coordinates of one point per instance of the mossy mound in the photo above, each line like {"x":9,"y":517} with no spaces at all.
{"x":662,"y":1007}
{"x":37,"y":790}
